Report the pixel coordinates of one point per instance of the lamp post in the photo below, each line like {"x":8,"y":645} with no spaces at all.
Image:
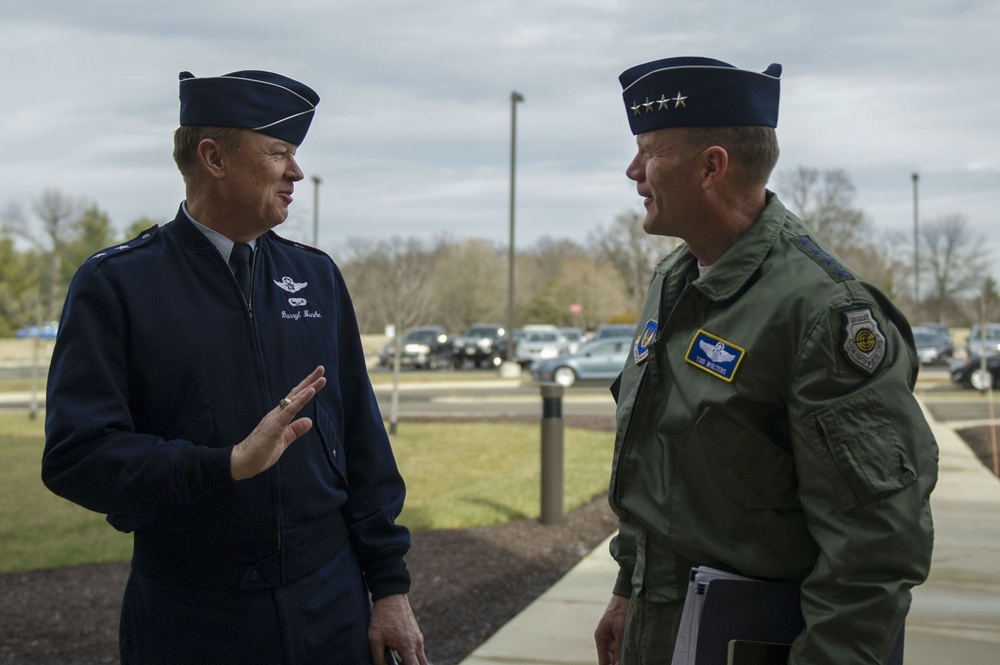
{"x":515,"y":97}
{"x":316,"y":183}
{"x":916,"y":244}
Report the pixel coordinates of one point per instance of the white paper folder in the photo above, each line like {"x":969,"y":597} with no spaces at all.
{"x":729,"y":619}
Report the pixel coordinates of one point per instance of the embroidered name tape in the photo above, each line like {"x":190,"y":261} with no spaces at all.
{"x":642,"y":343}
{"x":714,"y":355}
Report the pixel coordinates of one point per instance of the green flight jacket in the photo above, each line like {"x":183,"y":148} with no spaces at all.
{"x":767,"y":426}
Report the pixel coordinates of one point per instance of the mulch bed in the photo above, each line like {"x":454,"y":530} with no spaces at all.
{"x":980,"y":441}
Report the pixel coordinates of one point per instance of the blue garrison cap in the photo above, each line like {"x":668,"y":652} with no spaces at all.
{"x":699,"y":92}
{"x":262,"y":101}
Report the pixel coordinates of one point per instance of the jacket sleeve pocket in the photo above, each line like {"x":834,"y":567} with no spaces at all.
{"x":865,"y":456}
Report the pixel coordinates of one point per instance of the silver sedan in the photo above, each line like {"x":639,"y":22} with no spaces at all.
{"x":602,"y":359}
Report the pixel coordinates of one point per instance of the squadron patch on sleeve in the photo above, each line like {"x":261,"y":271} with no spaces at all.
{"x":642,"y":343}
{"x":863,"y":343}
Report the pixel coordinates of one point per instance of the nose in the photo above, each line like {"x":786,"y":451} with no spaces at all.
{"x":636,"y":170}
{"x":293,"y":172}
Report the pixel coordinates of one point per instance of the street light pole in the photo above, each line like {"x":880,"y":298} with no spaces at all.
{"x":916,"y":244}
{"x":515,"y":97}
{"x":316,"y":183}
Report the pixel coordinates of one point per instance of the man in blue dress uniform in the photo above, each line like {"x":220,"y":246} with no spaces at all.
{"x":208,"y":392}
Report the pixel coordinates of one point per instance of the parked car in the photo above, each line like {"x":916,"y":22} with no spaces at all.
{"x":991,"y":334}
{"x":483,"y":344}
{"x":595,"y":360}
{"x":538,"y":343}
{"x":427,"y":347}
{"x":969,"y":372}
{"x":933,"y":347}
{"x":574,"y":338}
{"x":48,"y":331}
{"x":613,"y":330}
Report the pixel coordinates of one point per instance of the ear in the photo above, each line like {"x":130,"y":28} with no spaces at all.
{"x":212,"y":158}
{"x":715,"y":164}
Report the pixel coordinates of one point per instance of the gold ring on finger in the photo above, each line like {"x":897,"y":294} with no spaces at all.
{"x":283,"y":403}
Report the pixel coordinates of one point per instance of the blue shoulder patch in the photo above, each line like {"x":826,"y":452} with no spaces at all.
{"x":640,"y":350}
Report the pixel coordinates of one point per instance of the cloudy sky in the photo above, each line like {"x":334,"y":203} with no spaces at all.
{"x":412,"y":136}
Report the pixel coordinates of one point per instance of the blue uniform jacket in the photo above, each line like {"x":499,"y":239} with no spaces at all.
{"x":160,"y":367}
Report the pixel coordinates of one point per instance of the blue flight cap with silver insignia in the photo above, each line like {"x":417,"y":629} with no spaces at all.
{"x":262,"y":101}
{"x":699,"y":92}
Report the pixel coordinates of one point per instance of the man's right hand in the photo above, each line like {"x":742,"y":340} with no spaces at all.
{"x":268,"y":441}
{"x":609,"y":631}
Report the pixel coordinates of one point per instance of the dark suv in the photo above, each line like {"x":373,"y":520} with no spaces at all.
{"x":485,"y":344}
{"x":427,"y":347}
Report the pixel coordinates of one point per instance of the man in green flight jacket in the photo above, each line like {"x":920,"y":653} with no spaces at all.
{"x":766,"y":421}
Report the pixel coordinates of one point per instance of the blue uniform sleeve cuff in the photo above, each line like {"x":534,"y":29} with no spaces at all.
{"x":390,"y":579}
{"x":209,"y":470}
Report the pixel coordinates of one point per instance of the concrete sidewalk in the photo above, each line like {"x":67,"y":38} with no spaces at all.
{"x":955,"y":618}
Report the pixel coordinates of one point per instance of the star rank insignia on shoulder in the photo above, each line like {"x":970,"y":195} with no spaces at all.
{"x":863,"y":342}
{"x":833,"y":268}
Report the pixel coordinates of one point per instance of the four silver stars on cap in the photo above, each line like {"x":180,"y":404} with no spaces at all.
{"x":663,"y":101}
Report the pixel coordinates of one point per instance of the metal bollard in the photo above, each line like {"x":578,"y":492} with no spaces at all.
{"x":552,"y":454}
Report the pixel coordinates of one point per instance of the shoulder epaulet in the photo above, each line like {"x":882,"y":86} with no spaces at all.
{"x":128,"y":245}
{"x":826,"y":261}
{"x":291,"y":243}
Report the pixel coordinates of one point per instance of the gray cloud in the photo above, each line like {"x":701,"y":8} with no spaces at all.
{"x":412,"y":135}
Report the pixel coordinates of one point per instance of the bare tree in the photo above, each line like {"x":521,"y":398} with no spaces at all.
{"x":471,"y":284}
{"x":957,"y":262}
{"x":392,"y":281}
{"x":594,"y":285}
{"x":55,"y":211}
{"x":824,"y":201}
{"x":634,"y":253}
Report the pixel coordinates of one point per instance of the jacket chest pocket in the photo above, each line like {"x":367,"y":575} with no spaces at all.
{"x":752,"y":470}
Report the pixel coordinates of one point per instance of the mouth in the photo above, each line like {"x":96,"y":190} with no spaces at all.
{"x":285,"y":196}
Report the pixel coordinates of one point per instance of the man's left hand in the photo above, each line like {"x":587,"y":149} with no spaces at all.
{"x":393,"y":627}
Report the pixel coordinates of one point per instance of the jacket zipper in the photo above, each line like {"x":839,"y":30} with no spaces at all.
{"x":253,"y":269}
{"x":638,"y":394}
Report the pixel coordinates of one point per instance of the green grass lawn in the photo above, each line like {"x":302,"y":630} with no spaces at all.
{"x":22,"y":386}
{"x":37,"y":528}
{"x":457,"y":475}
{"x":471,"y":474}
